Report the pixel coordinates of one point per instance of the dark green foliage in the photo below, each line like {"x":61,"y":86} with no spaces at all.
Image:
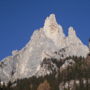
{"x":77,"y":72}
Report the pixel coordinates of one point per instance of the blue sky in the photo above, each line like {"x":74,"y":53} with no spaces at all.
{"x":19,"y":18}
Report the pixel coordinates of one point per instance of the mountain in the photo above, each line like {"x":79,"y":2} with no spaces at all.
{"x":35,"y":58}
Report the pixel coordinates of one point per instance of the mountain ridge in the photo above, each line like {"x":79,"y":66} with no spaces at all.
{"x":43,"y":44}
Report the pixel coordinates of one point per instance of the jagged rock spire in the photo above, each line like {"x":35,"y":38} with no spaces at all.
{"x":50,"y":24}
{"x":51,"y":20}
{"x":71,"y":32}
{"x":53,"y":30}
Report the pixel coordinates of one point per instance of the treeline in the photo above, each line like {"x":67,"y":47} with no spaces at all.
{"x":80,"y":71}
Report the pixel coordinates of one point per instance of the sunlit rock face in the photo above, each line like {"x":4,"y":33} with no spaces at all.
{"x":74,"y":44}
{"x":43,"y":44}
{"x":54,"y":31}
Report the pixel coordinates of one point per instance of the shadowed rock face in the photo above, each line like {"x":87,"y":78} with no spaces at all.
{"x":43,"y":43}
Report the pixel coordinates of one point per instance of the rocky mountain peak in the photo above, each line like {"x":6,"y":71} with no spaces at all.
{"x":53,"y":30}
{"x":71,"y":32}
{"x":50,"y":25}
{"x":50,"y":20}
{"x":50,"y":42}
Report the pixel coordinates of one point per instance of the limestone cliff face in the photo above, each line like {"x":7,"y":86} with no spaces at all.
{"x":43,"y":44}
{"x":54,"y":31}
